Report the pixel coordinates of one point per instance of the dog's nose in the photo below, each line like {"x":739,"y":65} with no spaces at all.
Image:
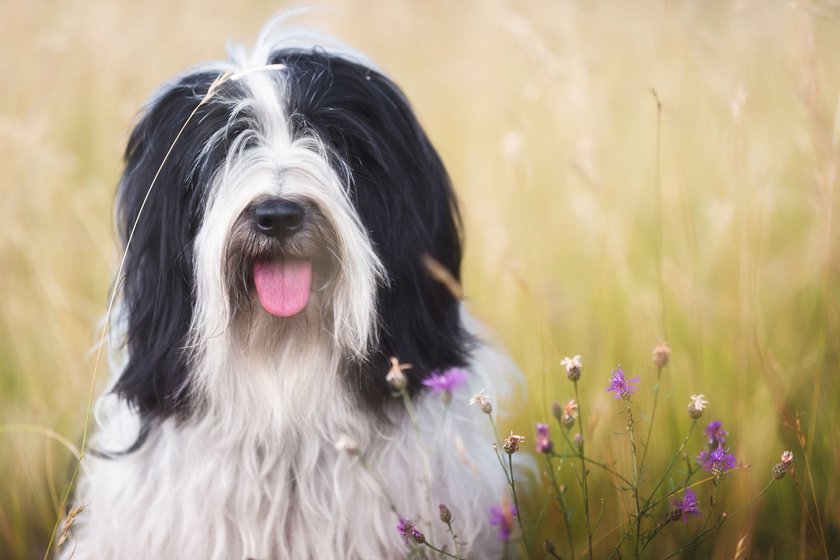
{"x":279,"y":218}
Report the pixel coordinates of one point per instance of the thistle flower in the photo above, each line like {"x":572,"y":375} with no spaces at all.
{"x":717,"y":461}
{"x":512,"y":442}
{"x":544,"y":444}
{"x":779,"y":469}
{"x":696,"y":406}
{"x":661,"y":355}
{"x":687,"y":506}
{"x":716,"y":434}
{"x":503,"y":516}
{"x":444,"y":383}
{"x":623,"y":387}
{"x":483,"y":402}
{"x":409,"y":532}
{"x":573,"y":367}
{"x":396,"y":378}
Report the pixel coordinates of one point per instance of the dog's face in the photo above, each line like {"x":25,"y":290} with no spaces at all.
{"x":279,"y":204}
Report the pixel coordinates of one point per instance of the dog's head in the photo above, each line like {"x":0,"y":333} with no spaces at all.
{"x":274,"y":202}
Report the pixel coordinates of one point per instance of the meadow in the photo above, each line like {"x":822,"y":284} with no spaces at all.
{"x":629,"y":172}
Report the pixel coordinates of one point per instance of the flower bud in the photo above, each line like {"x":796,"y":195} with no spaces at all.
{"x":445,"y":514}
{"x":548,"y":546}
{"x":578,"y":442}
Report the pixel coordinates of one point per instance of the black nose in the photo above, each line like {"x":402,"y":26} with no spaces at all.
{"x":279,"y":218}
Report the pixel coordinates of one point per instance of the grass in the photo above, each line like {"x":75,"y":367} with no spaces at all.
{"x":595,"y":225}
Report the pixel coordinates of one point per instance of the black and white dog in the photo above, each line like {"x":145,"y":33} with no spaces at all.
{"x":276,"y":211}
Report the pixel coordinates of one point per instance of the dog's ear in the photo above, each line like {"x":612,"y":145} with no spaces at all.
{"x":404,"y":197}
{"x":160,"y":203}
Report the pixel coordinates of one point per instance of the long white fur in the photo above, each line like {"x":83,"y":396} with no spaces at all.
{"x":254,"y":473}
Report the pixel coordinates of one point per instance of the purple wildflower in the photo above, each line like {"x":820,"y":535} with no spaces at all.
{"x":622,"y":387}
{"x":544,"y":444}
{"x":686,"y":506}
{"x":716,"y":434}
{"x":717,"y":461}
{"x":503,"y":516}
{"x":445,"y":382}
{"x":407,"y":531}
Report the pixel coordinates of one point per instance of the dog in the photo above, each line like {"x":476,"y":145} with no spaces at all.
{"x":291,"y":240}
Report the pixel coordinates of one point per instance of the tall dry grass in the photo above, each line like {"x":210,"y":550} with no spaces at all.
{"x":583,"y":237}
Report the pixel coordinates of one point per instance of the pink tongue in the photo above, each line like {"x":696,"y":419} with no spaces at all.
{"x":283,"y":285}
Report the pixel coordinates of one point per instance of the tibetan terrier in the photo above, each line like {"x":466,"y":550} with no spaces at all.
{"x":279,"y":213}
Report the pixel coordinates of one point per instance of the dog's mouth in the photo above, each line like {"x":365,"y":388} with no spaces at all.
{"x":283,"y":284}
{"x":279,"y":255}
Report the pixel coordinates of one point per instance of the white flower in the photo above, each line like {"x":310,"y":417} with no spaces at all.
{"x":696,"y":406}
{"x":396,"y":378}
{"x":571,"y":363}
{"x":346,"y":443}
{"x":573,"y":366}
{"x":483,"y":402}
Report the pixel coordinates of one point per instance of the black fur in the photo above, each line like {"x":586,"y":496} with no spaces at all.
{"x":398,"y":185}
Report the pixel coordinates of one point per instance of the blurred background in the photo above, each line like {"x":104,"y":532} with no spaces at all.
{"x":593,"y":226}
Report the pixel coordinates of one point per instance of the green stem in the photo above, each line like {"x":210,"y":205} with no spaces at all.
{"x":439,"y":551}
{"x":516,"y":503}
{"x":594,"y":462}
{"x":561,"y":500}
{"x":584,"y":484}
{"x":652,"y":417}
{"x":635,"y":477}
{"x":454,"y":540}
{"x":671,"y":466}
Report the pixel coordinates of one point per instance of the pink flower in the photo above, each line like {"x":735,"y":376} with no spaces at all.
{"x":503,"y":517}
{"x":623,"y":387}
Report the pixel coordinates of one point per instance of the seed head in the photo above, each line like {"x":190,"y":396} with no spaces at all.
{"x":512,"y":442}
{"x":661,"y":355}
{"x":548,"y":546}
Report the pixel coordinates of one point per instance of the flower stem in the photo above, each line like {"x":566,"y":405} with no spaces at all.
{"x":454,"y":540}
{"x":439,"y":551}
{"x":561,"y":500}
{"x":516,"y":502}
{"x":649,"y":503}
{"x":635,"y":488}
{"x":652,"y":417}
{"x":584,"y":484}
